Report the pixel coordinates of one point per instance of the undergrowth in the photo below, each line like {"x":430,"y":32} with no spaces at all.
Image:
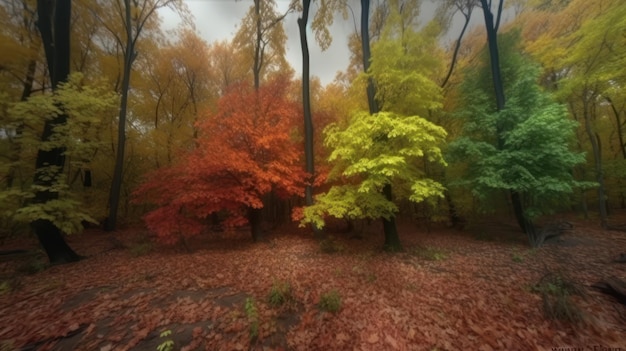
{"x":331,"y":245}
{"x":330,"y":301}
{"x":429,"y":253}
{"x":253,"y":318}
{"x":556,"y":291}
{"x":280,"y":293}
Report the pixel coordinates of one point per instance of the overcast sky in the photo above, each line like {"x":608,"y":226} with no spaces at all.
{"x":218,"y":20}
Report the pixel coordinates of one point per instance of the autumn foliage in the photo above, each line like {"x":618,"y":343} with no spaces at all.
{"x":244,"y":151}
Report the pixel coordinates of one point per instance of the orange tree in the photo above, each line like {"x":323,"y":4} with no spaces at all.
{"x":244,"y":150}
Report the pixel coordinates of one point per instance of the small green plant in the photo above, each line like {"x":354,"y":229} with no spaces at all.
{"x":253,"y":317}
{"x":5,"y":287}
{"x":556,"y":291}
{"x":330,"y":245}
{"x":430,"y":253}
{"x":280,"y":293}
{"x":330,"y":301}
{"x":168,"y":344}
{"x":516,"y":257}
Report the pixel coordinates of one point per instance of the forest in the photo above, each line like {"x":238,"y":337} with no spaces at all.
{"x":461,"y":184}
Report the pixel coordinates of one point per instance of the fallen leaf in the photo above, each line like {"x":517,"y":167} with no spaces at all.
{"x":373,"y":338}
{"x":391,"y":341}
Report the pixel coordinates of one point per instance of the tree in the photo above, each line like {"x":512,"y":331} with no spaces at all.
{"x":522,"y":149}
{"x":134,"y":17}
{"x":466,"y":8}
{"x":54,"y":27}
{"x":306,"y":103}
{"x":376,"y":151}
{"x":82,"y":105}
{"x":491,"y":25}
{"x":245,"y":151}
{"x":583,"y":60}
{"x":262,"y":39}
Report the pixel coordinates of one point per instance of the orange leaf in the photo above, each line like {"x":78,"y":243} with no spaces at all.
{"x":373,"y":338}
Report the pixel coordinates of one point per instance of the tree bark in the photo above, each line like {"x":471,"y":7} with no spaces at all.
{"x":597,"y":156}
{"x":392,"y":239}
{"x":54,"y":27}
{"x":255,"y":217}
{"x":309,"y":156}
{"x":494,"y":58}
{"x":118,"y":172}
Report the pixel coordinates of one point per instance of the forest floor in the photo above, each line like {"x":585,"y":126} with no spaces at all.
{"x":477,"y":289}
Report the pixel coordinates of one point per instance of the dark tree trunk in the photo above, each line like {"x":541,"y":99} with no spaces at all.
{"x":392,"y":239}
{"x":54,"y":26}
{"x":494,"y":58}
{"x":457,"y":45}
{"x":494,"y":55}
{"x":367,"y":55}
{"x":118,"y":172}
{"x":306,"y":106}
{"x":597,"y":157}
{"x":258,"y":54}
{"x":255,"y":217}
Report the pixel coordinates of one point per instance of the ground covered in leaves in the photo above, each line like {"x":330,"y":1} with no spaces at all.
{"x":478,"y":289}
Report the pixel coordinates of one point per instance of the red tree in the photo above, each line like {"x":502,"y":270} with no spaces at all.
{"x":244,"y":151}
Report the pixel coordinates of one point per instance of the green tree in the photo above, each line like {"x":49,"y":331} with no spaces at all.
{"x":521,"y":149}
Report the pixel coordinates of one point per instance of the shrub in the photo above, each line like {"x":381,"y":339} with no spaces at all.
{"x":556,"y":291}
{"x":280,"y":293}
{"x":330,"y":245}
{"x":330,"y":301}
{"x":253,"y":317}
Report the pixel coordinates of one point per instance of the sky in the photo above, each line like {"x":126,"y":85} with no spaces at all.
{"x":218,"y":20}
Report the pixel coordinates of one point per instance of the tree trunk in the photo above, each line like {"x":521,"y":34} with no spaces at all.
{"x":597,"y":156}
{"x":309,"y":156}
{"x":256,"y":68}
{"x":118,"y":172}
{"x":392,"y":240}
{"x":255,"y":218}
{"x":54,"y":26}
{"x":494,"y":58}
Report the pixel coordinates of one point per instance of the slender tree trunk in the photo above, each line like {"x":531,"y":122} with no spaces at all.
{"x":494,"y":58}
{"x":255,"y":217}
{"x":306,"y":105}
{"x":597,"y":156}
{"x":16,"y":147}
{"x":457,"y":45}
{"x":118,"y":172}
{"x":54,"y":26}
{"x":392,"y":239}
{"x":256,"y":69}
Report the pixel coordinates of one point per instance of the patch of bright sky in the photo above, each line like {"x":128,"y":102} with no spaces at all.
{"x":218,"y":20}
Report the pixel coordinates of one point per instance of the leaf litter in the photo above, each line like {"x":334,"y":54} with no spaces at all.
{"x":477,"y":297}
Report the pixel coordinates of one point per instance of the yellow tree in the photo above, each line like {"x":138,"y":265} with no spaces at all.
{"x":261,"y":38}
{"x":126,"y":21}
{"x":178,"y":84}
